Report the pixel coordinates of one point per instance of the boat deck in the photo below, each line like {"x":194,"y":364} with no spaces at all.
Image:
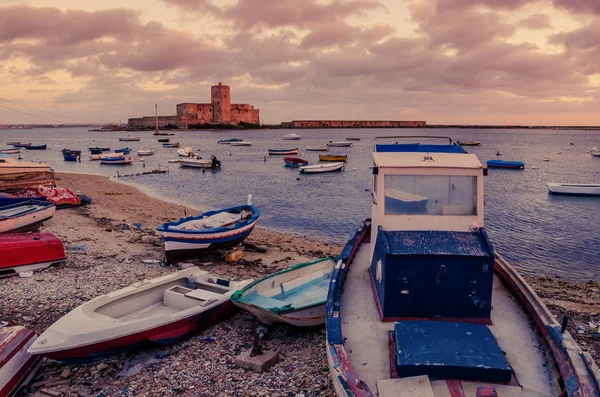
{"x":367,"y":344}
{"x":307,"y":292}
{"x":18,"y":210}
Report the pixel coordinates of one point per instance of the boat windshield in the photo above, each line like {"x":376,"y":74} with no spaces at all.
{"x":430,"y":195}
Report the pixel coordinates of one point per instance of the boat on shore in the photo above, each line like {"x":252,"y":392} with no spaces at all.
{"x":145,"y":152}
{"x":16,"y":174}
{"x":339,"y":144}
{"x":333,"y":157}
{"x":130,"y":139}
{"x":294,"y":296}
{"x":25,"y":252}
{"x":36,"y":147}
{"x":316,"y":148}
{"x":24,"y":216}
{"x":229,"y":140}
{"x":201,"y":163}
{"x":116,"y":160}
{"x":243,"y":143}
{"x":291,"y":137}
{"x":422,"y":302}
{"x":171,"y":145}
{"x":294,"y":162}
{"x":13,"y":143}
{"x":469,"y":143}
{"x":10,"y":151}
{"x":159,"y":311}
{"x":283,"y":151}
{"x":319,"y":168}
{"x":17,"y":366}
{"x":506,"y":164}
{"x":193,"y":236}
{"x":574,"y":189}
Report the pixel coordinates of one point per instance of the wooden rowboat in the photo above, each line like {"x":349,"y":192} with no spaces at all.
{"x":10,"y":151}
{"x":174,"y":144}
{"x":319,"y":168}
{"x":333,"y":157}
{"x":130,"y":139}
{"x":158,"y":311}
{"x":294,"y":162}
{"x":283,"y":151}
{"x":295,"y":296}
{"x":469,"y":143}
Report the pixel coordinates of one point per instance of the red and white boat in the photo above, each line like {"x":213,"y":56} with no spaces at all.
{"x":29,"y":252}
{"x":162,"y":310}
{"x":16,"y":364}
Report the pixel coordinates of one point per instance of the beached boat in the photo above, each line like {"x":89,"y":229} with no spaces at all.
{"x":24,"y":252}
{"x":333,"y":157}
{"x":145,"y":152}
{"x":71,"y":157}
{"x":12,"y":166}
{"x":16,"y":174}
{"x":353,"y":139}
{"x":316,"y":148}
{"x":319,"y":168}
{"x":116,"y":160}
{"x":295,"y":296}
{"x":18,"y":144}
{"x":130,"y":139}
{"x":124,"y":150}
{"x":291,"y":137}
{"x":283,"y":151}
{"x":468,"y":143}
{"x":185,"y":152}
{"x":339,"y":144}
{"x":158,"y":311}
{"x":243,"y":143}
{"x":17,"y":366}
{"x":294,"y":162}
{"x":25,"y":216}
{"x":10,"y":151}
{"x":193,"y":236}
{"x":201,"y":163}
{"x":574,"y":189}
{"x":229,"y":140}
{"x":163,"y":140}
{"x":174,"y":144}
{"x":422,"y":303}
{"x":36,"y":147}
{"x":505,"y":164}
{"x":70,"y":151}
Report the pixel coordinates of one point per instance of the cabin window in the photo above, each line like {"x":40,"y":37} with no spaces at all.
{"x":430,"y":195}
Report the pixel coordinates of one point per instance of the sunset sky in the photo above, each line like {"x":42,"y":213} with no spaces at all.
{"x":443,"y":61}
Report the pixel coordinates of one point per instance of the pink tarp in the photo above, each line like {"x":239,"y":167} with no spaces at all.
{"x":56,"y":195}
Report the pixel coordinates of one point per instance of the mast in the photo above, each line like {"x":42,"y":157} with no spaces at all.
{"x":156,"y":112}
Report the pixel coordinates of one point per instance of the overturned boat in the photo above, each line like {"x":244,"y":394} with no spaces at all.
{"x":24,"y":252}
{"x":158,"y":311}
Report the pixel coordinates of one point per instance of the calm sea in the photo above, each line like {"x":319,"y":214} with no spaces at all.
{"x":536,"y":232}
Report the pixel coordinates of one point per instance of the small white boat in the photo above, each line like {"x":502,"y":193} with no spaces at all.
{"x":595,"y":153}
{"x":201,"y":163}
{"x":316,"y":148}
{"x":185,"y":152}
{"x":161,"y":310}
{"x":574,"y":189}
{"x":242,"y":143}
{"x":25,"y":216}
{"x":312,"y":169}
{"x":339,"y":144}
{"x":145,"y":152}
{"x":291,"y":137}
{"x":116,"y":160}
{"x":295,"y":296}
{"x":17,"y":366}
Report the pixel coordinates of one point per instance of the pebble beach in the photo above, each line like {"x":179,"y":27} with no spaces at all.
{"x":112,"y":243}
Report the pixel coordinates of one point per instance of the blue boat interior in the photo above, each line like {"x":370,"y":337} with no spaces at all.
{"x":22,"y":208}
{"x":419,"y":148}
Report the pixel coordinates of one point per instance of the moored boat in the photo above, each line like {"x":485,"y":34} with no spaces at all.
{"x":10,"y":151}
{"x":291,"y":137}
{"x":36,"y":147}
{"x":130,"y":138}
{"x":173,"y":144}
{"x":70,"y":151}
{"x":24,"y":252}
{"x":294,"y":162}
{"x":70,"y":157}
{"x":595,"y":153}
{"x":98,"y":148}
{"x":295,"y":296}
{"x":124,"y":150}
{"x":201,"y":163}
{"x":333,"y":157}
{"x":353,"y":139}
{"x":421,"y":302}
{"x":283,"y":151}
{"x":316,"y":148}
{"x":243,"y":143}
{"x":185,"y":152}
{"x":107,"y":155}
{"x":505,"y":164}
{"x":158,"y":311}
{"x":145,"y":152}
{"x":319,"y":168}
{"x":339,"y":144}
{"x":116,"y":160}
{"x":163,"y":140}
{"x":193,"y":236}
{"x":468,"y":143}
{"x":17,"y":366}
{"x":24,"y":216}
{"x":574,"y":189}
{"x":229,"y":140}
{"x":18,"y":144}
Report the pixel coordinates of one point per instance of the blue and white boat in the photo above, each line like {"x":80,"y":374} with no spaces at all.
{"x":505,"y":164}
{"x":18,"y":216}
{"x":193,"y":236}
{"x":420,"y":302}
{"x":295,"y":296}
{"x":116,"y":160}
{"x":124,"y":150}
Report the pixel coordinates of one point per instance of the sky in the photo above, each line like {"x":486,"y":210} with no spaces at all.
{"x":513,"y":62}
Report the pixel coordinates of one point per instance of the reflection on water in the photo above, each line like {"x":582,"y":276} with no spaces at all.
{"x":536,"y":232}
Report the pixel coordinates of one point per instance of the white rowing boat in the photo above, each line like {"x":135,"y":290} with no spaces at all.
{"x":318,"y":168}
{"x":574,"y":189}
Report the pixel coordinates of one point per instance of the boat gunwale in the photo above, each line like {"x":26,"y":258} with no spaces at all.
{"x":39,"y":206}
{"x":166,"y":227}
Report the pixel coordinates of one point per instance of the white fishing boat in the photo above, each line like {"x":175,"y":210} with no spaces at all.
{"x":185,"y":152}
{"x":574,"y":189}
{"x":317,"y":168}
{"x":17,"y":366}
{"x":291,"y":137}
{"x":242,"y":143}
{"x":295,"y":296}
{"x":145,"y":152}
{"x":162,"y":310}
{"x":339,"y":144}
{"x":201,"y":163}
{"x":25,"y":216}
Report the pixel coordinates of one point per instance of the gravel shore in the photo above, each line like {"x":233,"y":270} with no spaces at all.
{"x":106,"y":244}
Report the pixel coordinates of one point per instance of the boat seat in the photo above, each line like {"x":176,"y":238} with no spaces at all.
{"x":203,"y":295}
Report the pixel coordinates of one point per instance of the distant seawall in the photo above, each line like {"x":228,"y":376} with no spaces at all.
{"x":352,"y":124}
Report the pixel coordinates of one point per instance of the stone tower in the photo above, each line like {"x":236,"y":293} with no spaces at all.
{"x":221,"y":102}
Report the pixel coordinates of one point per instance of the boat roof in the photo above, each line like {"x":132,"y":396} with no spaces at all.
{"x":426,"y":160}
{"x":418,"y":147}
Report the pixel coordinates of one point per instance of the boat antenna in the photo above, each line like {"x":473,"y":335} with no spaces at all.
{"x":156,"y":112}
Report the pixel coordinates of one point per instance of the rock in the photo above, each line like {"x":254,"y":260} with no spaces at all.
{"x":258,"y":363}
{"x":101,"y":366}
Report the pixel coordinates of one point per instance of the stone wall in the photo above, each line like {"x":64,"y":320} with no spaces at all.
{"x":150,"y":121}
{"x":354,"y":124}
{"x":197,"y":113}
{"x":244,"y":113}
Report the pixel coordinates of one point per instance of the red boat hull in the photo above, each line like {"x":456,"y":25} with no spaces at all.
{"x":167,"y":333}
{"x":14,"y":359}
{"x":28,"y":249}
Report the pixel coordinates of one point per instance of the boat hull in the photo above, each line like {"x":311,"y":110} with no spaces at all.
{"x":339,"y":144}
{"x":16,"y":364}
{"x":39,"y":147}
{"x":331,"y":157}
{"x":574,"y":189}
{"x":320,"y":168}
{"x":505,"y":164}
{"x":10,"y":151}
{"x":283,"y":152}
{"x":27,"y":222}
{"x":136,"y":139}
{"x":116,"y":160}
{"x":309,"y":317}
{"x":294,"y":162}
{"x":29,"y":252}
